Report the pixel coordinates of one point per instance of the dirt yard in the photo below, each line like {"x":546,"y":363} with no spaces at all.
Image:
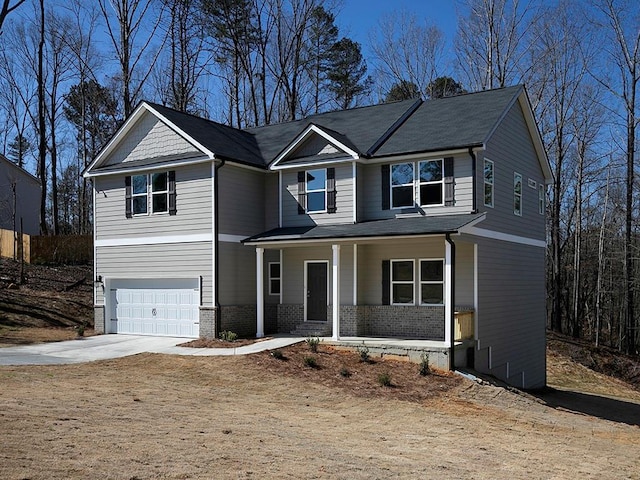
{"x":153,"y":416}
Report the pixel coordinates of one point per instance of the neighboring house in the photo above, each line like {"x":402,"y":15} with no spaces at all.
{"x":20,"y":194}
{"x":382,"y":221}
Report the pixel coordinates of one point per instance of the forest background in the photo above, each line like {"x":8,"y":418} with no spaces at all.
{"x":72,"y":70}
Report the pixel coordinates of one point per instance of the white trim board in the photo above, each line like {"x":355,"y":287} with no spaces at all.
{"x":118,"y":242}
{"x":505,"y":237}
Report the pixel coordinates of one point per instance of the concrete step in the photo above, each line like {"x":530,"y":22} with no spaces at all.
{"x":312,"y":329}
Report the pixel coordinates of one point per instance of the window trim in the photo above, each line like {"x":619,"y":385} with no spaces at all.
{"x":431,"y":282}
{"x":278,"y":278}
{"x":404,"y":185}
{"x":542,"y":201}
{"x":392,"y":282}
{"x":492,"y":183}
{"x":517,"y":195}
{"x":420,"y":183}
{"x":135,"y":195}
{"x":308,"y":191}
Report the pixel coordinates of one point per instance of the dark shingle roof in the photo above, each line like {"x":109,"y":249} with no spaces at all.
{"x":408,"y":226}
{"x":359,"y":127}
{"x":452,"y":122}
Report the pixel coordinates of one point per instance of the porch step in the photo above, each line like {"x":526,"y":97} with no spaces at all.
{"x":312,"y":329}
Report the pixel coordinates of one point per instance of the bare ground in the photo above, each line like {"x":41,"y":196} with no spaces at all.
{"x":154,"y":416}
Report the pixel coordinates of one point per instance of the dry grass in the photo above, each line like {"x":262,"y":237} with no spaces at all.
{"x":154,"y":416}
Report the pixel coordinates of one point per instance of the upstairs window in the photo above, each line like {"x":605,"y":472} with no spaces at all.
{"x":402,"y":190}
{"x":517,"y":194}
{"x":316,"y":181}
{"x":488,"y":183}
{"x":431,"y":182}
{"x":150,"y":193}
{"x":139,"y":194}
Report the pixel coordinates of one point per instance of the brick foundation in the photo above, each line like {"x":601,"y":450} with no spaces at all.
{"x":98,"y":318}
{"x":207,"y":322}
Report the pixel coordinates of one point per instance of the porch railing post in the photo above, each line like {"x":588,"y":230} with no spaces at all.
{"x":336,"y":292}
{"x":259,"y":292}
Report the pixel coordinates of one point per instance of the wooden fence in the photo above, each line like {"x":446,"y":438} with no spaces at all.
{"x":58,"y":249}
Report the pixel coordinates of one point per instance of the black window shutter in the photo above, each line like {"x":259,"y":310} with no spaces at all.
{"x":386,"y":282}
{"x":331,"y":190}
{"x":172,"y":192}
{"x":302,"y":192}
{"x":449,"y":184}
{"x":386,"y":187}
{"x":127,"y":196}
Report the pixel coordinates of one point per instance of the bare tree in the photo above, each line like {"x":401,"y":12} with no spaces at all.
{"x":407,"y":51}
{"x":7,"y":8}
{"x":492,"y":41}
{"x":133,"y":26}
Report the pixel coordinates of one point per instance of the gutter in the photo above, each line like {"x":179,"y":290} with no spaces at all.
{"x":216,"y":249}
{"x":452,"y":320}
{"x":474,"y":177}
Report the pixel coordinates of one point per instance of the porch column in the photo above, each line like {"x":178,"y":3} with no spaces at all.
{"x":448,"y":276}
{"x":336,"y":291}
{"x":259,"y":292}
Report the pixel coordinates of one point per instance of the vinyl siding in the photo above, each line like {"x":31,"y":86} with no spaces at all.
{"x":193,"y":200}
{"x":314,"y":146}
{"x":370,"y":192}
{"x":27,"y":201}
{"x":511,"y":150}
{"x":344,"y":199}
{"x":464,"y":273}
{"x":237,"y":274}
{"x":271,"y":201}
{"x":179,"y":260}
{"x":511,"y":311}
{"x":151,"y":138}
{"x":241,"y":201}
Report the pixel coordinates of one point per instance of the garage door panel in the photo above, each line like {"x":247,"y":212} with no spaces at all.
{"x":149,"y":311}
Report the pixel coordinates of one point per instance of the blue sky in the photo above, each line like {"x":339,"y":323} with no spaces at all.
{"x":357,"y":18}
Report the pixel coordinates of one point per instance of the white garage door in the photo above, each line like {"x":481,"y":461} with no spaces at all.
{"x":156,"y":311}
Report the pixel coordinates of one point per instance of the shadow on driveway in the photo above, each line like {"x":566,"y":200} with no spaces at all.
{"x":615,"y":410}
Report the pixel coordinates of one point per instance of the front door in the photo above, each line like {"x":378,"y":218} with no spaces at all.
{"x":317,"y":291}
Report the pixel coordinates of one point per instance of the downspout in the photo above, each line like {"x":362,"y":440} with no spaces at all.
{"x":474,"y":177}
{"x":452,"y":320}
{"x":216,"y":252}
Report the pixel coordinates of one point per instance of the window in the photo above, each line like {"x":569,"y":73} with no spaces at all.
{"x":517,"y":194}
{"x":432,"y":282}
{"x":488,"y":183}
{"x":274,"y":278}
{"x":159,"y":192}
{"x":431,"y":182}
{"x":139,"y":203}
{"x":402,"y":285}
{"x":150,"y":193}
{"x":541,"y":199}
{"x":402,"y":193}
{"x":316,"y":190}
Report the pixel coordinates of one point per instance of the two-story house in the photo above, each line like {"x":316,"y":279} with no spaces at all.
{"x":381,"y":221}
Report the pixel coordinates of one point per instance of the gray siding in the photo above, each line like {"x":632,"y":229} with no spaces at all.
{"x":27,"y":201}
{"x":511,"y":150}
{"x":464,"y":273}
{"x":316,"y":145}
{"x":193,"y":200}
{"x":511,"y":312}
{"x":271,"y":201}
{"x":344,"y":200}
{"x":151,"y":138}
{"x":237,"y":274}
{"x":370,"y":181}
{"x":241,"y":200}
{"x":179,"y":260}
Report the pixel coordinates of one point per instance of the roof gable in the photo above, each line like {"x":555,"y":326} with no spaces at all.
{"x":14,"y":171}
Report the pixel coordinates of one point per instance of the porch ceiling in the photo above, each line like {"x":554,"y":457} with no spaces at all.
{"x":395,"y":227}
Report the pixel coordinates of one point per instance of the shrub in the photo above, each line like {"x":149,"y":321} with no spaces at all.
{"x":363,"y":351}
{"x":313,"y":343}
{"x":228,"y":336}
{"x":384,"y":379}
{"x":424,"y":365}
{"x":277,"y":354}
{"x":344,"y":372}
{"x":310,"y":362}
{"x":80,"y":329}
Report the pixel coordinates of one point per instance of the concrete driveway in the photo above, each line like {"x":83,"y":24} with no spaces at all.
{"x":102,"y":347}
